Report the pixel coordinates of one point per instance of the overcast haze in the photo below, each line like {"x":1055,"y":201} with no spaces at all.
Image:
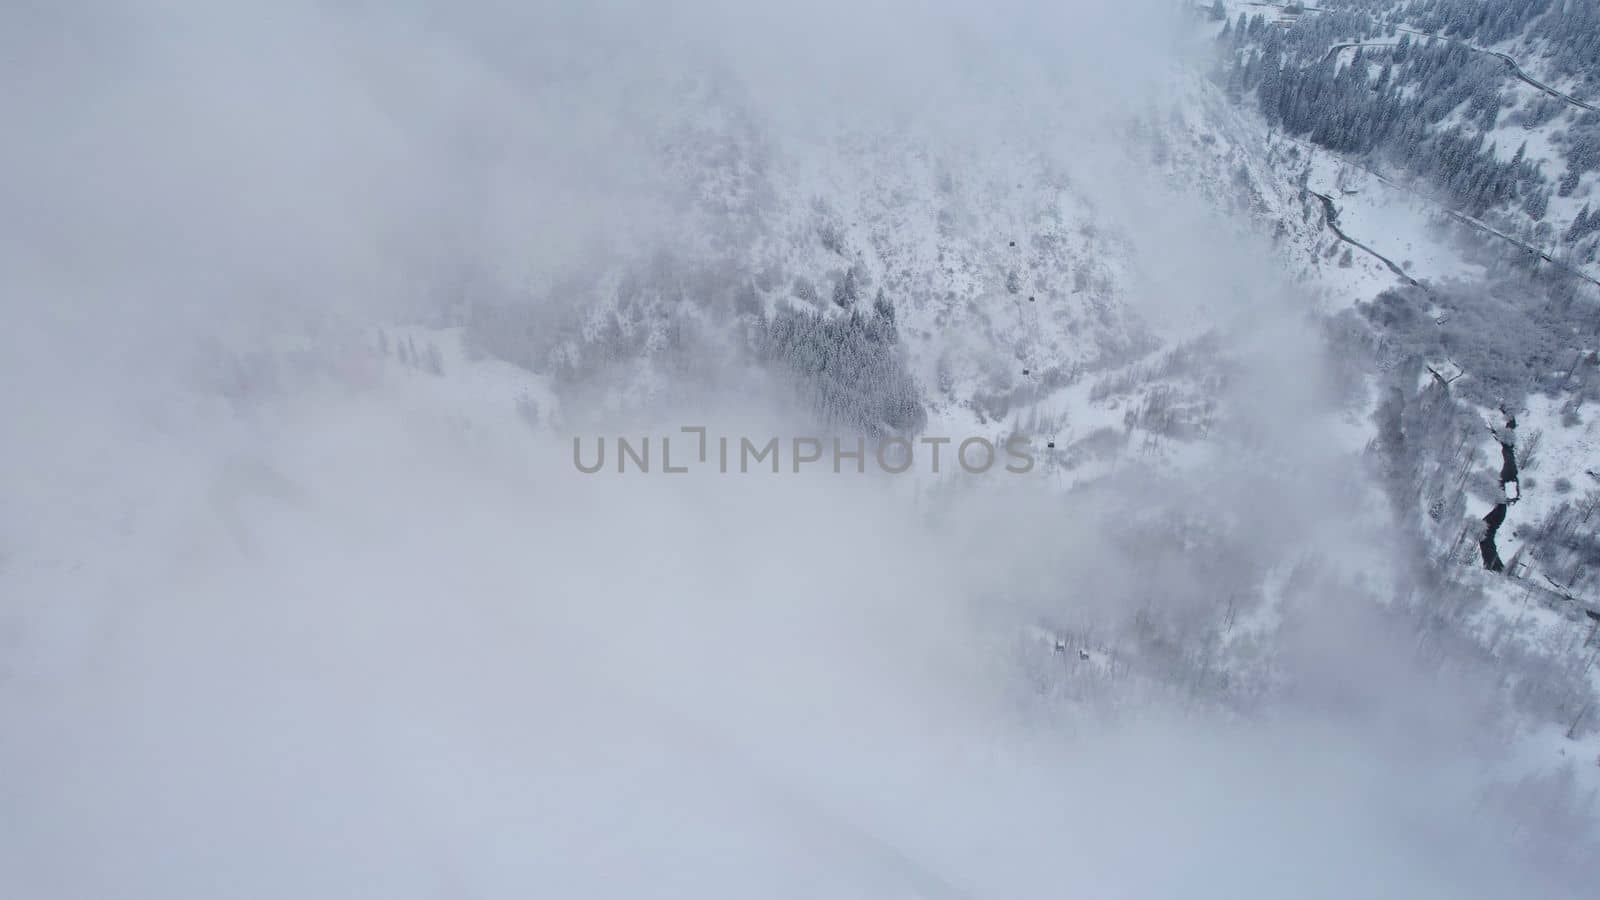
{"x":350,"y":637}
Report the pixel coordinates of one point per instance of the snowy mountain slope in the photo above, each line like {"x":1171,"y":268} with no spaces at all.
{"x":825,"y":222}
{"x":1110,"y":353}
{"x":1011,"y":274}
{"x":355,"y":608}
{"x":991,"y":259}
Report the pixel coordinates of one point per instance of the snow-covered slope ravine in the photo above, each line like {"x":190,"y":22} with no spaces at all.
{"x":1011,"y":298}
{"x":1008,"y":288}
{"x":306,"y":589}
{"x":1331,"y":217}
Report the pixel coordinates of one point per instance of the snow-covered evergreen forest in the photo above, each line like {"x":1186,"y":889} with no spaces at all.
{"x":1424,"y":89}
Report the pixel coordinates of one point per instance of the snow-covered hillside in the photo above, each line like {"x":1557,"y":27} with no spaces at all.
{"x":306,"y":588}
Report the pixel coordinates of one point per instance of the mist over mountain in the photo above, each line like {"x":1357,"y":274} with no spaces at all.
{"x":383,"y":383}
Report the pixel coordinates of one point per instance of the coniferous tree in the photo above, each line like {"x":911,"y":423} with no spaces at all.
{"x":1580,"y":226}
{"x":845,"y":292}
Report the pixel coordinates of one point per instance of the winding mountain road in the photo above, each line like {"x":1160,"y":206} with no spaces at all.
{"x":1336,"y":49}
{"x":1517,"y":71}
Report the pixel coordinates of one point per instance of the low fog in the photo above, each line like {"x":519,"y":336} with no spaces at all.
{"x":335,"y":640}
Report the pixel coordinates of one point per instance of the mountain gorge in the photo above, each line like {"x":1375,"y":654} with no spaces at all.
{"x":305,"y":587}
